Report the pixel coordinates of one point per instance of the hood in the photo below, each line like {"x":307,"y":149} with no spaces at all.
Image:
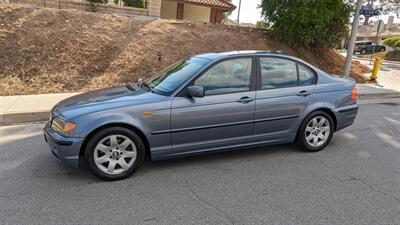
{"x":107,"y":95}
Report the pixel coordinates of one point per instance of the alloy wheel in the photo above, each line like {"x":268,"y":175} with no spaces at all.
{"x":115,"y":154}
{"x":317,"y":131}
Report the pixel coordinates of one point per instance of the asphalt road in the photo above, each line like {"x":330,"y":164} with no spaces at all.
{"x":355,"y":180}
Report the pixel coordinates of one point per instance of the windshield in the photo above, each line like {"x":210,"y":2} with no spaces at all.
{"x":173,"y":77}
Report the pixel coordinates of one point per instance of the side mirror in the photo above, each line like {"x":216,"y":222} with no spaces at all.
{"x":196,"y":91}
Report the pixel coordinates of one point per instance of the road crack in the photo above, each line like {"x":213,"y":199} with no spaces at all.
{"x":351,"y":177}
{"x":200,"y":199}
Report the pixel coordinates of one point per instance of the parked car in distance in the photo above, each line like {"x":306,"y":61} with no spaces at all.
{"x":366,"y":47}
{"x":206,"y":103}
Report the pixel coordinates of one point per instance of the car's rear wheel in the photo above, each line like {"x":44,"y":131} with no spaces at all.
{"x":315,"y":132}
{"x":115,"y":153}
{"x":383,"y":49}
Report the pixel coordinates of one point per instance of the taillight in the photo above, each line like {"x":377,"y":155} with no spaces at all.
{"x":354,"y":93}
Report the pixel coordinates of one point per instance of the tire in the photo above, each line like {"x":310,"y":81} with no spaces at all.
{"x":383,"y":49}
{"x":307,"y":130}
{"x":363,"y":51}
{"x":115,"y":153}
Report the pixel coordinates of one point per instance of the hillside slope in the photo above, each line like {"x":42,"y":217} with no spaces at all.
{"x":49,"y":50}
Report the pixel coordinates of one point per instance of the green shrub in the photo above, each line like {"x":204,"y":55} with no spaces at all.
{"x":393,"y":55}
{"x":93,"y":4}
{"x":134,"y":3}
{"x":312,"y":23}
{"x":262,"y":24}
{"x":393,"y":42}
{"x":97,"y":1}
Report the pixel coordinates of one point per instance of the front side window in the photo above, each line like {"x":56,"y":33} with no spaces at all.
{"x":173,"y":77}
{"x":306,"y":76}
{"x":226,"y":77}
{"x":277,"y":73}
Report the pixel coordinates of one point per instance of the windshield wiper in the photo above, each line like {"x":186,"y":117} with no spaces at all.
{"x":142,"y":83}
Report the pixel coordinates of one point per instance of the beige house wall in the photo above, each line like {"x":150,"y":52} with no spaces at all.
{"x":168,"y":9}
{"x":155,"y":8}
{"x":196,"y":13}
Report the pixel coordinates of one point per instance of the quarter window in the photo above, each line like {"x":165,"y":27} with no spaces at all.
{"x":306,"y":76}
{"x":277,"y":73}
{"x":227,"y":77}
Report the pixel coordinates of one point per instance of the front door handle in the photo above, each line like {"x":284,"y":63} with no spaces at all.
{"x":303,"y":93}
{"x":245,"y":99}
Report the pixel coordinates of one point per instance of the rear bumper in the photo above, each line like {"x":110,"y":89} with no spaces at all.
{"x":345,"y":116}
{"x":65,"y":149}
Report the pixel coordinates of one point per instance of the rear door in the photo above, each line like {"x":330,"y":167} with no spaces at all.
{"x":224,"y":116}
{"x":284,"y":90}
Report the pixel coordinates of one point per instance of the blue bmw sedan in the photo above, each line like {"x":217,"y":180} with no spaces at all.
{"x":207,"y":103}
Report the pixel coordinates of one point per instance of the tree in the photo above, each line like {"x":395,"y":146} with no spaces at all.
{"x":387,"y":6}
{"x":312,"y":23}
{"x":391,"y":6}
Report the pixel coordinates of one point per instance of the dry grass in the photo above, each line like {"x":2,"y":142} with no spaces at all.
{"x":49,"y":50}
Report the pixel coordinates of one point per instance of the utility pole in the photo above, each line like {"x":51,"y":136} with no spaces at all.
{"x":240,"y":3}
{"x":350,"y":47}
{"x":376,"y":40}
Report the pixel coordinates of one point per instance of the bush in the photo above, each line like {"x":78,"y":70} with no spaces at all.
{"x":262,"y":24}
{"x":393,"y":42}
{"x":94,"y":3}
{"x":312,"y":23}
{"x":134,"y":3}
{"x":97,"y":1}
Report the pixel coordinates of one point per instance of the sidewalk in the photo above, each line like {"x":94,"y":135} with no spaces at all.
{"x":31,"y":108}
{"x":28,"y":108}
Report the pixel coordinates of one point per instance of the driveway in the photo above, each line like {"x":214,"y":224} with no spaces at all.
{"x":355,"y":180}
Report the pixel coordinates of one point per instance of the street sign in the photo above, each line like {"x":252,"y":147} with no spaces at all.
{"x":369,"y":11}
{"x":379,"y":26}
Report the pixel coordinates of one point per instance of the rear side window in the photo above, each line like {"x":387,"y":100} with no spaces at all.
{"x":277,"y":73}
{"x":306,"y":76}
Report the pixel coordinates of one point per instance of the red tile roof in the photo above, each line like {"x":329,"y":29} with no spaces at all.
{"x":223,"y":4}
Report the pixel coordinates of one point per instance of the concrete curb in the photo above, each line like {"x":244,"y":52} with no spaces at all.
{"x":25,"y":117}
{"x":379,"y":96}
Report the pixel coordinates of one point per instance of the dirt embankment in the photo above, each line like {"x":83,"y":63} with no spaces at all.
{"x":50,"y":50}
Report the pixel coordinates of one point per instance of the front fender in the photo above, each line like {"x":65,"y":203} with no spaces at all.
{"x":88,"y":123}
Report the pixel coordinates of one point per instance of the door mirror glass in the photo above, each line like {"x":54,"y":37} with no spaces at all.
{"x":196,"y":91}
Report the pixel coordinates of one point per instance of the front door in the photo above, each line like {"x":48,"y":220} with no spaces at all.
{"x":223,"y":117}
{"x":282,"y":95}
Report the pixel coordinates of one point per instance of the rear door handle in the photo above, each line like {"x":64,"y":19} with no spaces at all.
{"x":245,"y":99}
{"x":303,"y":93}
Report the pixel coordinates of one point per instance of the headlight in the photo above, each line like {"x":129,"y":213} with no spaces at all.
{"x":61,"y":126}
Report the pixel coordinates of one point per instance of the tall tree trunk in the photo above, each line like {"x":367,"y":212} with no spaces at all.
{"x":366,"y":20}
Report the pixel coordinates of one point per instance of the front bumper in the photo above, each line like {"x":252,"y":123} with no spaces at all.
{"x":345,"y":116}
{"x":65,"y":149}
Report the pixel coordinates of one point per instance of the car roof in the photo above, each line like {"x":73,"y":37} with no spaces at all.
{"x":357,"y":42}
{"x":221,"y":55}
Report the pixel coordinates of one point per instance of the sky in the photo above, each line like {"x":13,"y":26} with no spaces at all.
{"x":249,"y":13}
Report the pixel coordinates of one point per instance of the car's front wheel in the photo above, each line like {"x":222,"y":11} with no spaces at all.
{"x":115,"y":153}
{"x":363,"y":51}
{"x":315,"y":132}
